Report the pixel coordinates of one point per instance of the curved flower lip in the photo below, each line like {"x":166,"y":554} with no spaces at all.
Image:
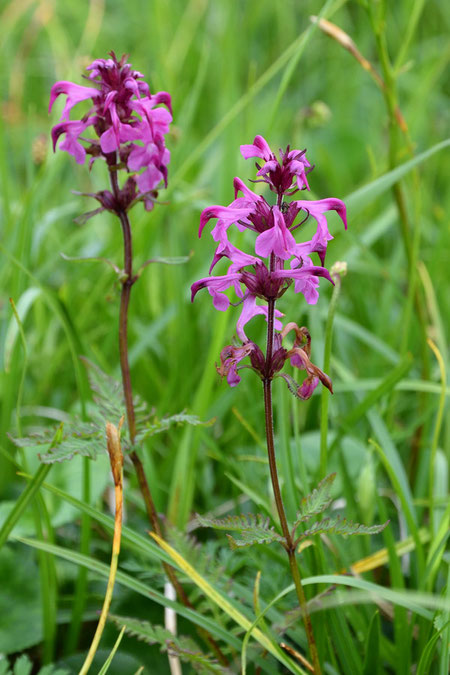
{"x":230,"y":356}
{"x":238,"y":258}
{"x":227,"y":214}
{"x":302,"y":273}
{"x":73,"y":129}
{"x":75,"y":94}
{"x":240,"y":186}
{"x":316,"y":209}
{"x":277,"y":239}
{"x":216,"y":285}
{"x":249,"y":310}
{"x":259,"y":148}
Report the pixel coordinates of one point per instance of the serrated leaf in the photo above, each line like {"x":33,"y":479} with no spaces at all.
{"x":77,"y":438}
{"x":108,"y":392}
{"x":88,"y":438}
{"x":341,"y":525}
{"x":254,"y":529}
{"x":317,"y":501}
{"x":184,"y":647}
{"x":157,"y":426}
{"x":23,"y":666}
{"x":109,"y":398}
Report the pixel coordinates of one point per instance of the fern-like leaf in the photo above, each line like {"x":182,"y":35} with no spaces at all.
{"x":77,"y":438}
{"x":107,"y":392}
{"x":23,"y":666}
{"x":254,"y":529}
{"x":317,"y":501}
{"x":340,"y":525}
{"x":184,"y":647}
{"x":157,"y":426}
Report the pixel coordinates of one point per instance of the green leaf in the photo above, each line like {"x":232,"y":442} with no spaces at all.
{"x":317,"y":501}
{"x":372,"y":650}
{"x":363,"y":196}
{"x":427,"y":655}
{"x":78,"y":438}
{"x":104,"y":669}
{"x":93,"y":259}
{"x":20,"y":602}
{"x":81,"y":220}
{"x":157,"y":426}
{"x":254,"y":529}
{"x":108,"y":393}
{"x":185,"y":648}
{"x":341,"y":525}
{"x":164,"y":260}
{"x":23,"y":306}
{"x":386,"y":385}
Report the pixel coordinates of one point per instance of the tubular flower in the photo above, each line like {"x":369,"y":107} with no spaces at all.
{"x":263,"y":274}
{"x":299,"y":356}
{"x":278,"y":260}
{"x":128,"y":124}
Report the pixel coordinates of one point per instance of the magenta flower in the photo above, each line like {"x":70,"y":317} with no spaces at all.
{"x":278,"y":260}
{"x":129,"y":127}
{"x":299,"y":356}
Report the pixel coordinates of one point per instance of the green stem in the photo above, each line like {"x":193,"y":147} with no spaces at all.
{"x":325,"y":394}
{"x":290,"y":547}
{"x":411,"y":239}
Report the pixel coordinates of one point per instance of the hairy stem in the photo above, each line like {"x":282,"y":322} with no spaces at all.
{"x":290,"y":547}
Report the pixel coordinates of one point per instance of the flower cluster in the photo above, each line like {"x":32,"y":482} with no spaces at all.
{"x":298,"y":355}
{"x":128,"y":123}
{"x":278,"y":261}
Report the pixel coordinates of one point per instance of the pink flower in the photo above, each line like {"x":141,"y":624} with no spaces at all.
{"x":128,"y":124}
{"x":265,"y":274}
{"x":280,"y":175}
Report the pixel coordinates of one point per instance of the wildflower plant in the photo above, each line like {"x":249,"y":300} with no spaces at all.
{"x":129,"y":128}
{"x":277,"y":263}
{"x":125,"y":127}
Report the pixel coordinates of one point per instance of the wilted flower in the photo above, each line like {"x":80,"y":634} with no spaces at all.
{"x":298,"y":355}
{"x":126,"y":119}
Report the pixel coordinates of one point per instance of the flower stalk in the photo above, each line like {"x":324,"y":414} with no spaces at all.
{"x":290,"y":546}
{"x":265,"y":276}
{"x":130,"y":125}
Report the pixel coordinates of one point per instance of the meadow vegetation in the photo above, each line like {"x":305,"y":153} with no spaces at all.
{"x":365,"y":95}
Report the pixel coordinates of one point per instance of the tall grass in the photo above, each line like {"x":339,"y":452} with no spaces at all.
{"x":234,"y":70}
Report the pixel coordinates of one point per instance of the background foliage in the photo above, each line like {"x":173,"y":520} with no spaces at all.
{"x":233,"y":70}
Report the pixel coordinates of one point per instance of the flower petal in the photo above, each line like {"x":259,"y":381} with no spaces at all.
{"x":278,"y":239}
{"x":259,"y":148}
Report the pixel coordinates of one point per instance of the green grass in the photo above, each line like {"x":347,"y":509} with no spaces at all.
{"x":234,"y":70}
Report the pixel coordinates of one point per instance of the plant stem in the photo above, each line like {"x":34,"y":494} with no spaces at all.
{"x":152,"y":513}
{"x":410,"y":234}
{"x":290,"y":547}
